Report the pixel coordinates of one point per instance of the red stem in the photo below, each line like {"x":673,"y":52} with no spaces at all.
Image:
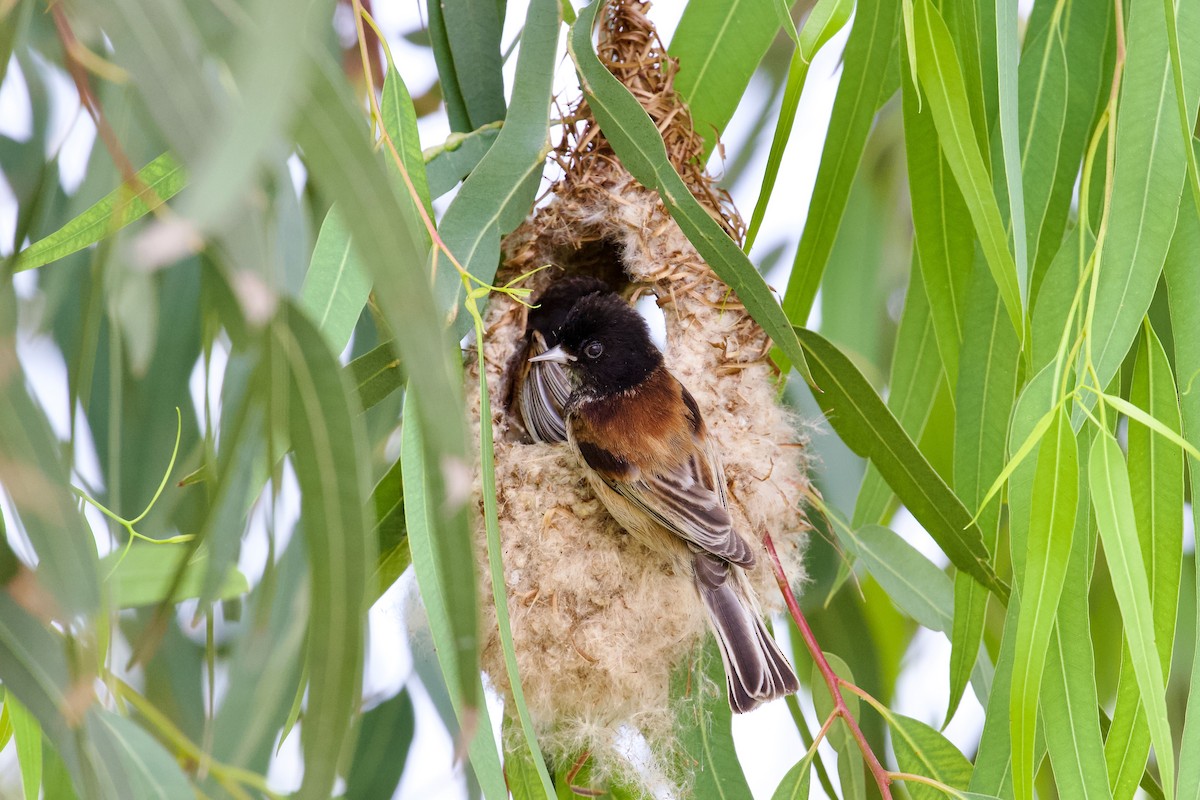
{"x":882,"y":778}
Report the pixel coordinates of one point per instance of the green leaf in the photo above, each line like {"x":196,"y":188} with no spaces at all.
{"x":944,"y":242}
{"x":923,"y":751}
{"x":1156,"y":485}
{"x":499,"y":192}
{"x":993,"y":773}
{"x":1063,"y":77}
{"x":826,"y":18}
{"x":449,"y":163}
{"x":1183,"y":285}
{"x":640,"y":148}
{"x":473,"y":34}
{"x":915,"y":379}
{"x":850,"y":761}
{"x":28,"y":734}
{"x":336,"y":285}
{"x":137,"y":766}
{"x":161,"y":180}
{"x":429,"y":569}
{"x":1069,"y":704}
{"x":866,"y":426}
{"x":914,"y":583}
{"x":383,"y":742}
{"x":448,"y":81}
{"x":1007,"y":53}
{"x":869,"y":77}
{"x":705,"y":735}
{"x":340,"y":160}
{"x":35,"y":480}
{"x":6,"y":727}
{"x":391,"y":531}
{"x":1048,"y":548}
{"x":377,"y":374}
{"x":327,"y":441}
{"x":795,"y":784}
{"x":1147,"y":181}
{"x":984,"y":399}
{"x":718,"y":44}
{"x":1111,"y":497}
{"x":945,"y":90}
{"x":143,"y":575}
{"x":400,"y":125}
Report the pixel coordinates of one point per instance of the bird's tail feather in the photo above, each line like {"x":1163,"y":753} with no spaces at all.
{"x":755,"y":668}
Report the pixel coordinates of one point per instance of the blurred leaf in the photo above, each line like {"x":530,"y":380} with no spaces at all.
{"x":864,"y":423}
{"x":1109,"y":483}
{"x":718,"y":44}
{"x":705,"y":735}
{"x":340,"y":159}
{"x":912,"y":389}
{"x":383,"y":742}
{"x":429,"y":569}
{"x":28,"y":733}
{"x":162,"y":179}
{"x":36,"y":482}
{"x":1183,"y":285}
{"x":265,"y":668}
{"x":984,"y":399}
{"x":914,"y":583}
{"x":135,"y":764}
{"x":922,"y":750}
{"x":1156,"y":485}
{"x":6,"y":727}
{"x":945,"y":90}
{"x":640,"y":147}
{"x":869,"y":77}
{"x":453,"y":161}
{"x":826,"y":18}
{"x":16,"y":21}
{"x":33,"y":668}
{"x":1147,"y":181}
{"x":327,"y":440}
{"x":850,"y":760}
{"x":1048,"y":548}
{"x":499,"y":192}
{"x":144,"y":575}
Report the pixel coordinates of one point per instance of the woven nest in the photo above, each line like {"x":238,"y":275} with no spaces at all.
{"x":600,"y":623}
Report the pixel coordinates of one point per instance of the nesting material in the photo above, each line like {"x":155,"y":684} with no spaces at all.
{"x":600,"y":623}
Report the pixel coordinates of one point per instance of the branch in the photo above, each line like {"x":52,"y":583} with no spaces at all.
{"x":882,"y":778}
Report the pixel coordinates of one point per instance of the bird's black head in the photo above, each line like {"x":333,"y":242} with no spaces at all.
{"x":610,"y":344}
{"x":556,"y":301}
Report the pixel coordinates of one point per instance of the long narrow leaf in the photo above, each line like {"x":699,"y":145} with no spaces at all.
{"x":640,"y":146}
{"x":869,"y":429}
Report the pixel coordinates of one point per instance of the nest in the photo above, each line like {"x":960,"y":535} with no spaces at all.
{"x":600,"y":623}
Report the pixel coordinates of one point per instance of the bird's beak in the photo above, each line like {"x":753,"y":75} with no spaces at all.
{"x":555,"y":354}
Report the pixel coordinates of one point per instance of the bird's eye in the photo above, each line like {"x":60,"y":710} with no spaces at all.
{"x":593,"y":349}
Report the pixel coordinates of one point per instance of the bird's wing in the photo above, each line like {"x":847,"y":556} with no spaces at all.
{"x":688,"y":500}
{"x":544,"y":393}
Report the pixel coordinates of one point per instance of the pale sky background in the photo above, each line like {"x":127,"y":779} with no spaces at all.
{"x":766,"y":738}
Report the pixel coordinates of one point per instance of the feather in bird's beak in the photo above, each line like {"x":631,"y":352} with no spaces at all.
{"x":555,"y":354}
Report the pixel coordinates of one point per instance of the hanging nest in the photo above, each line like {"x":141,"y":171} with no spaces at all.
{"x":600,"y":623}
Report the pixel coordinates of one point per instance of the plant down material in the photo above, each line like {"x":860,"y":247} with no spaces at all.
{"x":599,"y":623}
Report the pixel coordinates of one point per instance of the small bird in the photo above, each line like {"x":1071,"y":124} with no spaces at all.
{"x":537,"y":392}
{"x":650,"y":459}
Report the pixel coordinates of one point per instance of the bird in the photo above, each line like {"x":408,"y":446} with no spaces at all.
{"x":648,"y":456}
{"x":537,"y":392}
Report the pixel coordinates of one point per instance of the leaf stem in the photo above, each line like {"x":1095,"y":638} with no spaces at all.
{"x":832,"y":681}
